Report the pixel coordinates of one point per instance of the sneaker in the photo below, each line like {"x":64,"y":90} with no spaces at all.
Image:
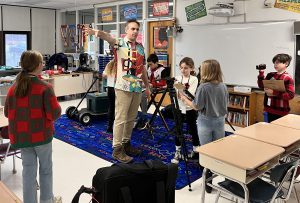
{"x":194,"y":156}
{"x":177,"y":157}
{"x":57,"y":199}
{"x":141,"y":124}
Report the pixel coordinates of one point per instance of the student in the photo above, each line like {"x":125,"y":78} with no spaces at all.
{"x":276,"y":103}
{"x":156,"y":72}
{"x":211,"y":101}
{"x":190,"y":83}
{"x":110,"y":74}
{"x":129,"y":55}
{"x":31,"y":108}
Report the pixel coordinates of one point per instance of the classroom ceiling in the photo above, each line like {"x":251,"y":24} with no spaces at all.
{"x":55,"y":4}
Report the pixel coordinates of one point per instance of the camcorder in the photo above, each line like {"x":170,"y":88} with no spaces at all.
{"x":261,"y":67}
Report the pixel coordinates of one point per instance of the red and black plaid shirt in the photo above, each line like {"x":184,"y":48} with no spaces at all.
{"x":279,"y":102}
{"x":31,"y":118}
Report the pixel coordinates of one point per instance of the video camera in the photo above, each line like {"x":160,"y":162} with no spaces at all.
{"x":261,"y":67}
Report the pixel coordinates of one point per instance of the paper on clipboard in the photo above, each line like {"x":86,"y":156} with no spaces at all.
{"x":180,"y":87}
{"x":274,"y":85}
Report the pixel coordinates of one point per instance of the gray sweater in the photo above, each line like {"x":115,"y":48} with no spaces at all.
{"x":211,"y":99}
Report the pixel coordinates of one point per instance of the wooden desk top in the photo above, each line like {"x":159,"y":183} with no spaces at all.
{"x":270,"y":133}
{"x":290,"y":120}
{"x":241,"y":152}
{"x":7,"y":196}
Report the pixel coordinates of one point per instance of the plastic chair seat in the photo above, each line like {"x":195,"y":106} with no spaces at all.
{"x":260,"y":191}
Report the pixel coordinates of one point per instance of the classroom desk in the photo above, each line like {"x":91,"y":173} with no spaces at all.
{"x":290,"y":120}
{"x":278,"y":135}
{"x":6,"y":196}
{"x":238,"y":158}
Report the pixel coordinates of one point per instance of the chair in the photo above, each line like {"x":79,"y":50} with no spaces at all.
{"x":6,"y":149}
{"x":261,"y":191}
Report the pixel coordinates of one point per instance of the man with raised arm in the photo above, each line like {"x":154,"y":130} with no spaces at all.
{"x":131,"y":72}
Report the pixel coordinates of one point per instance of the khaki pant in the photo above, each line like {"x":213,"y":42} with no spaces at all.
{"x":126,"y":109}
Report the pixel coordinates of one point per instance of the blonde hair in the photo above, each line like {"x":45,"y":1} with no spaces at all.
{"x":110,"y":68}
{"x":30,"y":61}
{"x":211,"y":71}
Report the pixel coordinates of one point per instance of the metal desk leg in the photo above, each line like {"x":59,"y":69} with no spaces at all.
{"x":246,"y":192}
{"x":203,"y":185}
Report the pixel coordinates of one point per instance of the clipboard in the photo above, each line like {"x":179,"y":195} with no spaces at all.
{"x":275,"y":85}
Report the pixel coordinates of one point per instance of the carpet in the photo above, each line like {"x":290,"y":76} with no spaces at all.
{"x":95,"y":140}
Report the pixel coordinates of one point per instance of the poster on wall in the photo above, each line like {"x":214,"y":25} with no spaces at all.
{"x":289,"y":5}
{"x":130,"y":12}
{"x":106,"y":14}
{"x":195,"y":11}
{"x":160,"y":38}
{"x":160,"y":8}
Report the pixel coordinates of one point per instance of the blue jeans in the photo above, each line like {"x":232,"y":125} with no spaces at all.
{"x":210,"y":129}
{"x":29,"y":161}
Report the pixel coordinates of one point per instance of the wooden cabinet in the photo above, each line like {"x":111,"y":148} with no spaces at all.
{"x":241,"y":108}
{"x":294,"y":105}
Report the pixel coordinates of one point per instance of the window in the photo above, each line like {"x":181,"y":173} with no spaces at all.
{"x":15,"y":43}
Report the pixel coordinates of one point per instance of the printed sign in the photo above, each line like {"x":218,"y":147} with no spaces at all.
{"x":106,"y":14}
{"x":289,"y":5}
{"x":195,"y":11}
{"x":130,"y":12}
{"x":160,"y":8}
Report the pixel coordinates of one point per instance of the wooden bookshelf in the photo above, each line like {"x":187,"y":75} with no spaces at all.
{"x":241,"y":108}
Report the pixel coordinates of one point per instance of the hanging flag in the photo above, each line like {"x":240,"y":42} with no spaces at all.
{"x":160,"y":8}
{"x":289,"y":5}
{"x":195,"y":11}
{"x":106,"y":14}
{"x":130,"y":12}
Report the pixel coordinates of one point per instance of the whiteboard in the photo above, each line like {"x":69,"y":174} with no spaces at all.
{"x":238,"y":48}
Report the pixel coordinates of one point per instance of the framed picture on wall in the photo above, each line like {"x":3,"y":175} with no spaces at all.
{"x":160,"y":38}
{"x":163,"y":59}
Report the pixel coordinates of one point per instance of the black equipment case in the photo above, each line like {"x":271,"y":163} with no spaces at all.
{"x":148,"y":182}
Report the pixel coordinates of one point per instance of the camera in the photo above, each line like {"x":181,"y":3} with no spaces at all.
{"x":261,"y":67}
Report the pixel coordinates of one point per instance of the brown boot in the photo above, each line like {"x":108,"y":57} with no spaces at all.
{"x":130,"y":150}
{"x":119,"y":154}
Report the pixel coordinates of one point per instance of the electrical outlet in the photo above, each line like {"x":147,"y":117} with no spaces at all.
{"x":268,"y":5}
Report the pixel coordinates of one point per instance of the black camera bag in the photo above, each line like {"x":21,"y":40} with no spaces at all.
{"x":148,"y":182}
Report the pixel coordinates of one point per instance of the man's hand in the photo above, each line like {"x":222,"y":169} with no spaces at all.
{"x":90,"y":31}
{"x":269,"y":92}
{"x":148,"y":92}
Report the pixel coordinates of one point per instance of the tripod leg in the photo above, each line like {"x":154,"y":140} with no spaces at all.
{"x":185,"y":156}
{"x":227,"y":121}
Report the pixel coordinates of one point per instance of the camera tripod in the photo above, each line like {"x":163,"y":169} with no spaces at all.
{"x":178,"y":131}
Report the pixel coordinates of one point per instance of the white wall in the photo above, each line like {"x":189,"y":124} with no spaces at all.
{"x":43,"y":30}
{"x":254,"y":12}
{"x":41,"y":23}
{"x":16,"y":18}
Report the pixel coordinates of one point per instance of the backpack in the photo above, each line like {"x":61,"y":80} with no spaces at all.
{"x":59,"y":59}
{"x":149,"y":182}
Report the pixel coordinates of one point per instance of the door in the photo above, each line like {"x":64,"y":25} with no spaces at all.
{"x":160,"y":43}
